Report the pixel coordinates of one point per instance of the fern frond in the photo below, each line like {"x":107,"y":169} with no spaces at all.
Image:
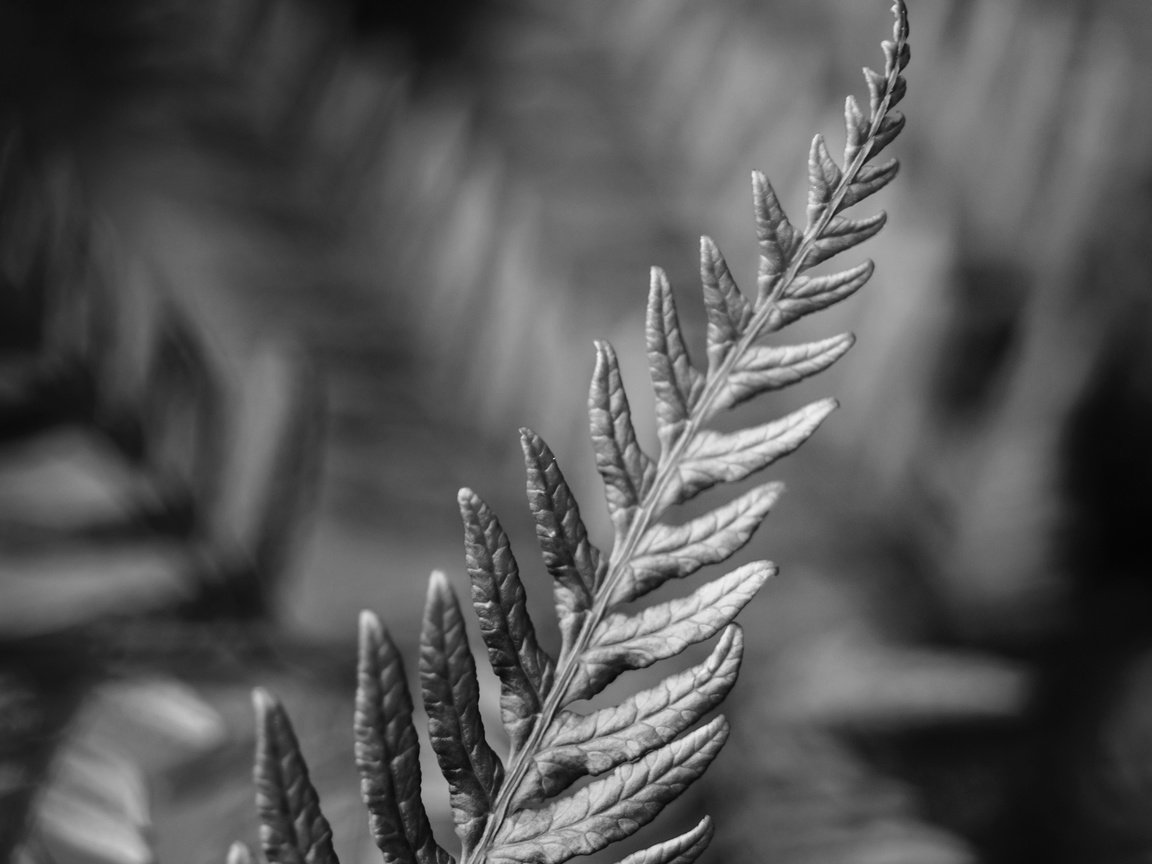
{"x":643,"y":752}
{"x":527,"y":819}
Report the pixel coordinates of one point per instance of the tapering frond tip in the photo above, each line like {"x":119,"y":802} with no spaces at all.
{"x":239,"y":853}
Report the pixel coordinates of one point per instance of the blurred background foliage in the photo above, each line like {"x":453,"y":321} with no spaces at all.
{"x":280,"y":275}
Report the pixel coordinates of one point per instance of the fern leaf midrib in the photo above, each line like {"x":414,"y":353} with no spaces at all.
{"x":568,"y":663}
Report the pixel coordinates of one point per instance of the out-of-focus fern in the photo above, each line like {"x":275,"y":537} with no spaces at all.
{"x":645,"y":751}
{"x":149,"y":493}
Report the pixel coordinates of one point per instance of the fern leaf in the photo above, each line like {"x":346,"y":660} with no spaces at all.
{"x":889,"y":128}
{"x":811,"y":294}
{"x":870,"y":179}
{"x":452,"y":699}
{"x":679,"y":850}
{"x":856,"y":127}
{"x":572,"y":561}
{"x":292,"y":830}
{"x":387,"y":753}
{"x":523,"y":667}
{"x":842,"y":234}
{"x":719,"y":457}
{"x":627,"y":471}
{"x":239,"y":853}
{"x":622,"y":642}
{"x":583,"y":744}
{"x":824,"y":176}
{"x":764,"y":367}
{"x":877,"y":88}
{"x":777,"y":238}
{"x":668,"y":552}
{"x":611,"y":808}
{"x":727,"y":309}
{"x":676,"y":382}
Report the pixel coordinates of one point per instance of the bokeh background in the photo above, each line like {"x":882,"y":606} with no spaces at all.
{"x":279,"y":276}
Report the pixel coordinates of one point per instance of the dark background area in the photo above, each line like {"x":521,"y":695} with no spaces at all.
{"x":277,"y":277}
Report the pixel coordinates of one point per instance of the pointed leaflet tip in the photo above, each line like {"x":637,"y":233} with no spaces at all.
{"x":370,"y":627}
{"x":262,"y":703}
{"x":438,"y":586}
{"x":239,"y":853}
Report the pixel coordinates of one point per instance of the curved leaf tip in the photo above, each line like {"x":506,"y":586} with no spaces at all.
{"x":370,"y":629}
